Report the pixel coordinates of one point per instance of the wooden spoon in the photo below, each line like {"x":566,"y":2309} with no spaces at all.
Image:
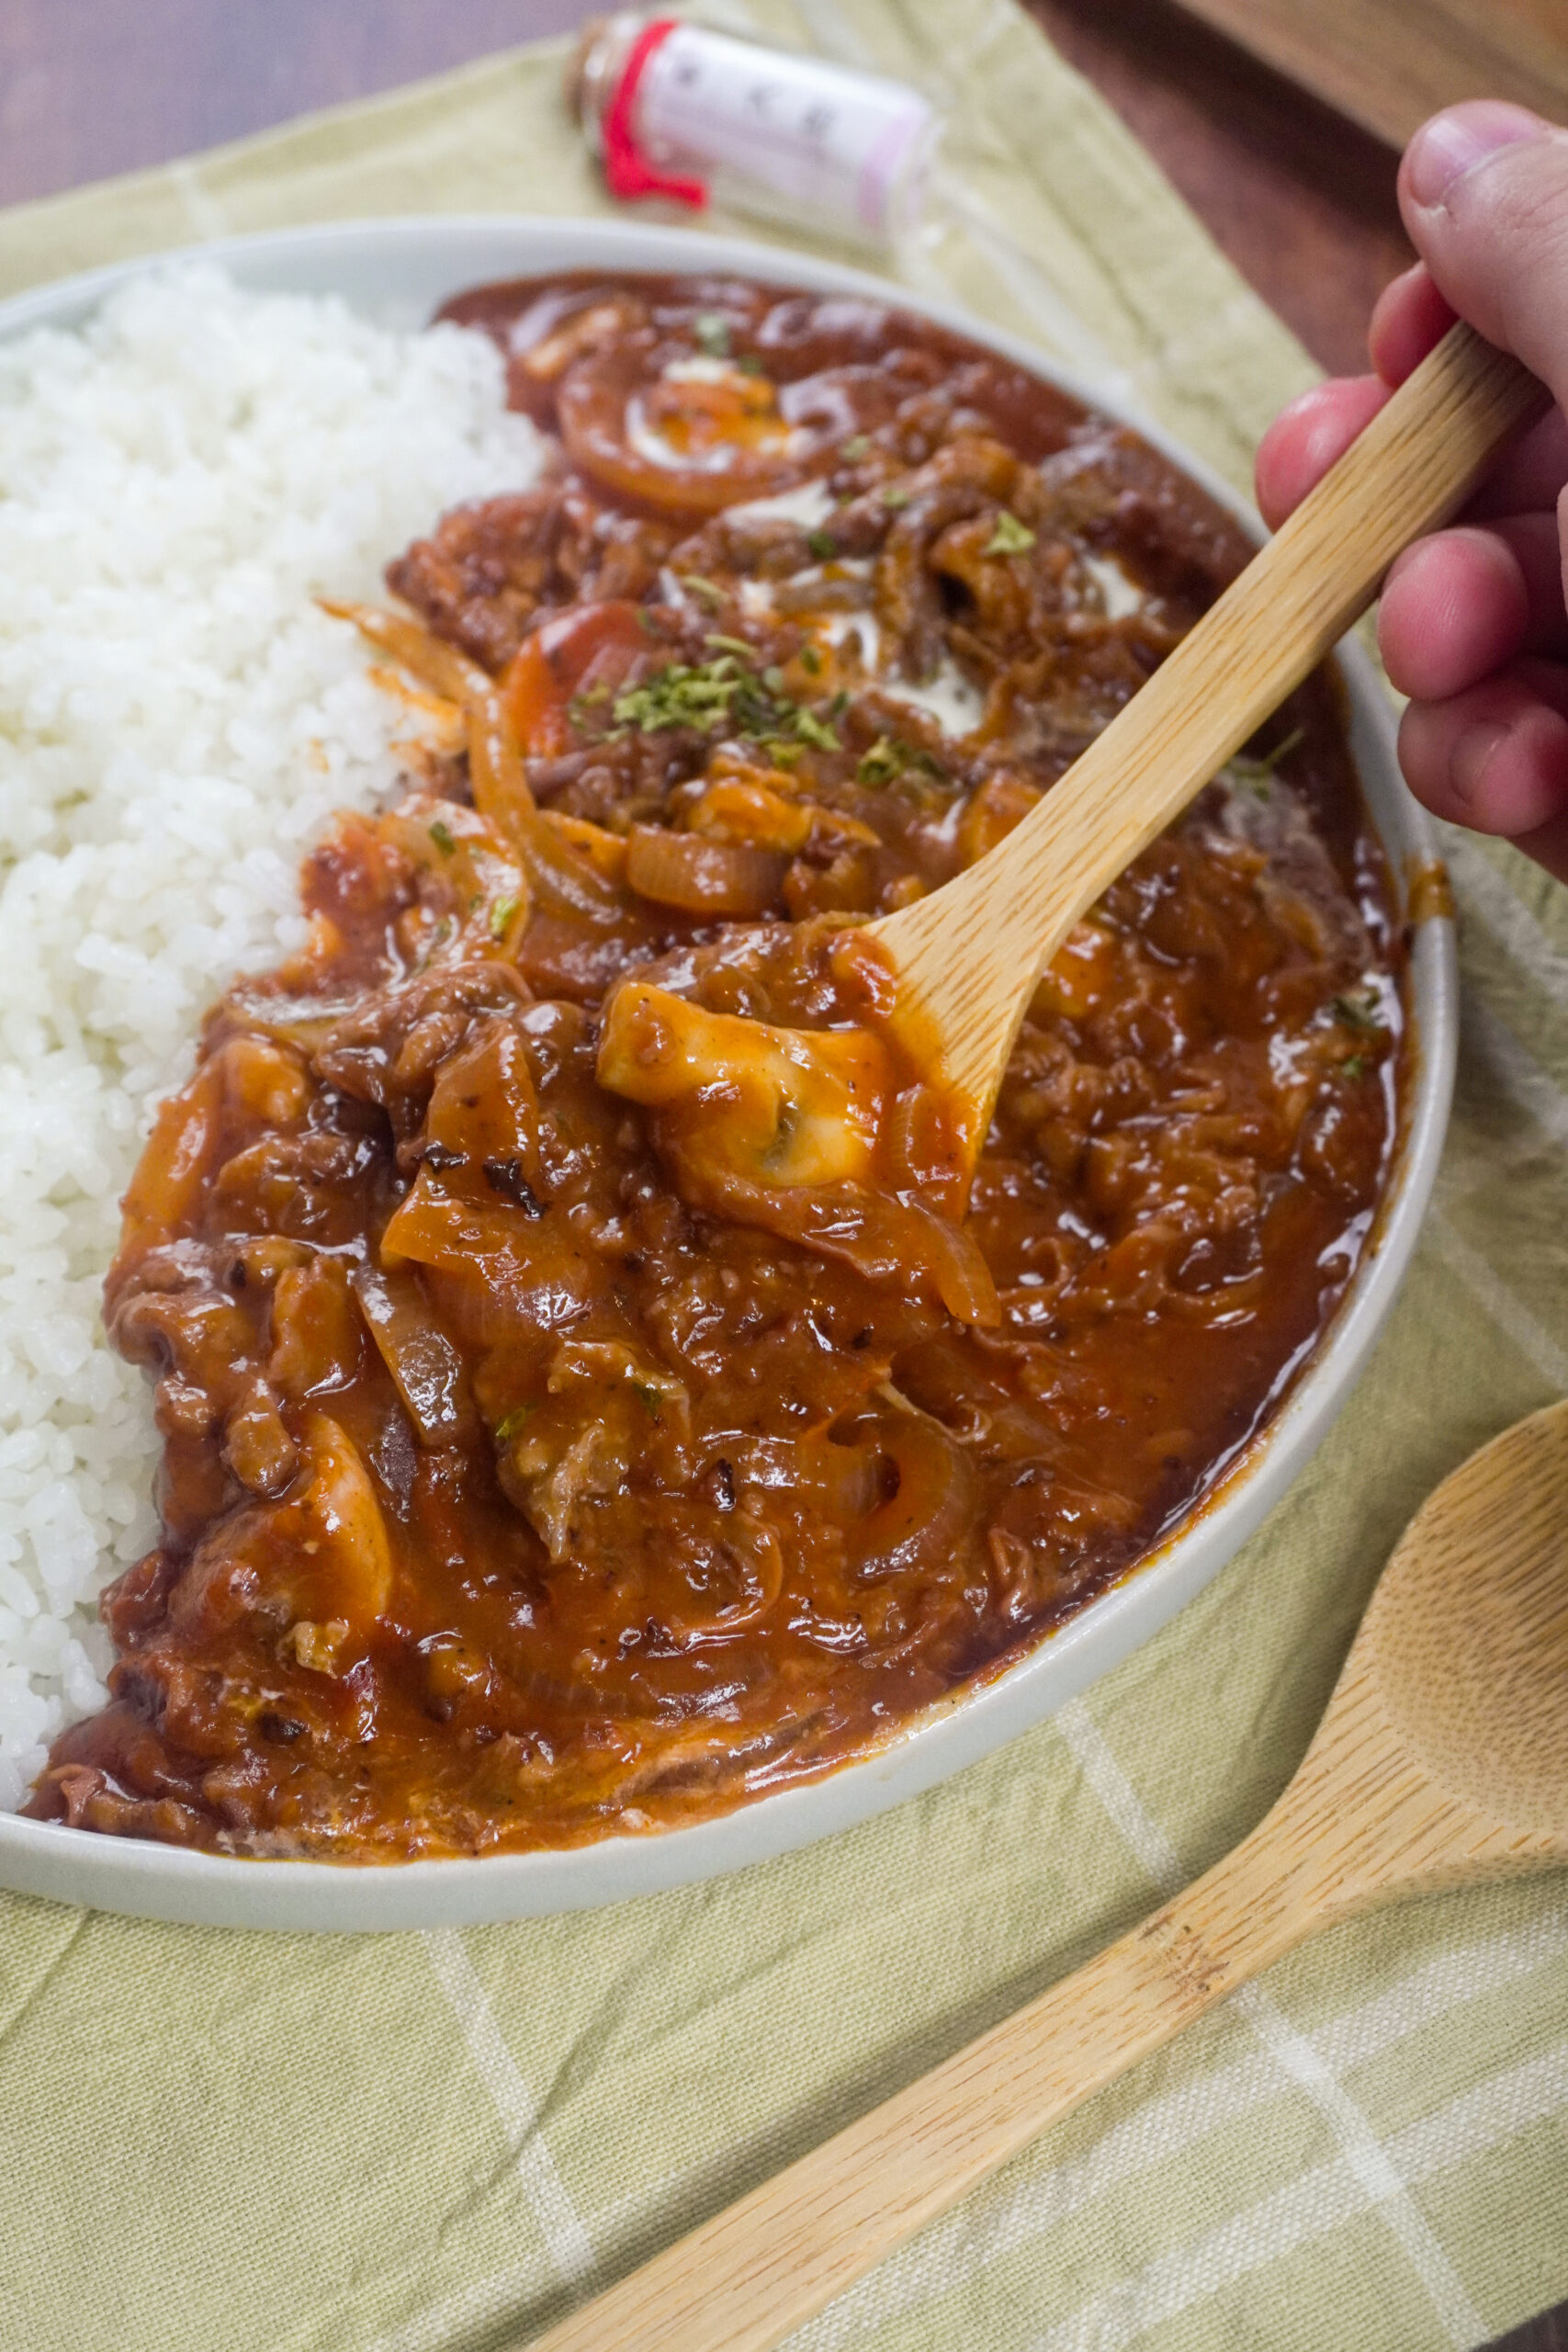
{"x":966,"y":960}
{"x":1442,"y":1758}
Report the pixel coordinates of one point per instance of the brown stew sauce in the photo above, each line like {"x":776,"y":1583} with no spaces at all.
{"x":584,"y":1411}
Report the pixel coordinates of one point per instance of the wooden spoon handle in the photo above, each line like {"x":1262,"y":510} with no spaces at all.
{"x":744,"y":2279}
{"x":1360,"y":1822}
{"x":988,"y":933}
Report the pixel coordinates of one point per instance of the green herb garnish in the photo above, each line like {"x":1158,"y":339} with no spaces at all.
{"x":646,"y":1398}
{"x":1359,"y":1013}
{"x":705,"y":589}
{"x":726,"y":692}
{"x":582,"y":707}
{"x":681,"y":695}
{"x":501,"y":916}
{"x":710,"y":331}
{"x":442,"y":836}
{"x":508,"y":1426}
{"x":886,"y":760}
{"x":815,"y":730}
{"x":1255,"y":776}
{"x":1010,"y":536}
{"x":893,"y":499}
{"x":822,"y":545}
{"x":811,"y":661}
{"x":1352,"y":1066}
{"x":1282,"y":751}
{"x":857,"y":446}
{"x":890,"y":758}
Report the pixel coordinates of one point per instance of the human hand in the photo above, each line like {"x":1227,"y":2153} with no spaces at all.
{"x":1473,"y":624}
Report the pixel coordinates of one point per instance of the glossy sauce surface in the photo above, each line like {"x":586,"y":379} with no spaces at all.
{"x":583,"y":1410}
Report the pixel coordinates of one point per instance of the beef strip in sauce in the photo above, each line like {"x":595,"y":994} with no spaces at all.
{"x":522,"y":1478}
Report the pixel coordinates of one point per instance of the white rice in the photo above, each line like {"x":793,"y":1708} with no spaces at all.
{"x":176,"y":721}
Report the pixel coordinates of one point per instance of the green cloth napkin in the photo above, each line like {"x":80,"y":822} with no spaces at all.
{"x":435,"y":2144}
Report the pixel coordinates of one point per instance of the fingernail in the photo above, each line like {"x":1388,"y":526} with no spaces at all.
{"x":1453,"y":143}
{"x":1467,"y":760}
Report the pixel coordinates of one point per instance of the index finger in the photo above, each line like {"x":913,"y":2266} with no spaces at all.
{"x":1314,"y":433}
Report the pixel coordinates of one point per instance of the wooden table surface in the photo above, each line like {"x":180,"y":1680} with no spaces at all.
{"x":1300,"y":199}
{"x":1391,"y":64}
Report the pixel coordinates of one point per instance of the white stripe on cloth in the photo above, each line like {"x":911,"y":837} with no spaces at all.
{"x":1498,"y":1302}
{"x":834,"y":36}
{"x":202,"y":208}
{"x":944,"y":2255}
{"x":1319,"y":2201}
{"x":1290,"y":2049}
{"x":952,"y":2251}
{"x":1485,"y":893}
{"x":472,"y":2311}
{"x":1064,"y":331}
{"x":1517,"y":1072}
{"x":567,"y":2240}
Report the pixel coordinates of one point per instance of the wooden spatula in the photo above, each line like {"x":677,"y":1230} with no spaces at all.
{"x":1443,"y":1757}
{"x":966,"y":960}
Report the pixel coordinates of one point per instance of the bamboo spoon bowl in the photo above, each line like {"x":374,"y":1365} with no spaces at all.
{"x":965,"y":960}
{"x":1442,"y":1758}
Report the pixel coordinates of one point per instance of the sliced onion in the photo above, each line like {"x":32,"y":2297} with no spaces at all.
{"x":180,"y":1157}
{"x":429,"y":659}
{"x":745,"y":811}
{"x":757,"y":1552}
{"x":888,"y":1240}
{"x":425,"y":1367}
{"x":701,"y":877}
{"x":495,"y":764}
{"x":565,"y":880}
{"x":923,"y":1523}
{"x":592,"y":405}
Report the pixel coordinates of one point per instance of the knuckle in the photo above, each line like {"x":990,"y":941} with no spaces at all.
{"x":1499,"y":251}
{"x":1518,"y":202}
{"x":1533,"y":207}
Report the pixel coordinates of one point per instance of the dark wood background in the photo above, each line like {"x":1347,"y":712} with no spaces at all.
{"x":1391,"y":63}
{"x":1300,"y":199}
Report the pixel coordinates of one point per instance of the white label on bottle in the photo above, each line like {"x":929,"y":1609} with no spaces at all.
{"x":816,"y":134}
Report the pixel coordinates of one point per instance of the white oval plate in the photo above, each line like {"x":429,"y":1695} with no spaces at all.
{"x":399,"y":272}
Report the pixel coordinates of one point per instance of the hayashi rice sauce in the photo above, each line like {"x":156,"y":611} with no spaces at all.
{"x":584,"y":1404}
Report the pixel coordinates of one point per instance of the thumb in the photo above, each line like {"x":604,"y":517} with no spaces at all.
{"x":1483,"y":189}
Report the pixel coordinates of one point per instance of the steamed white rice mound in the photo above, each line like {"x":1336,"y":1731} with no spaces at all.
{"x":178,"y":721}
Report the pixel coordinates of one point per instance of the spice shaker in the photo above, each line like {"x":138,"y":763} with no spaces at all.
{"x":676,"y":110}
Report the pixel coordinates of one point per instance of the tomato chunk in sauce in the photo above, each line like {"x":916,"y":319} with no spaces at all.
{"x":584,"y":1405}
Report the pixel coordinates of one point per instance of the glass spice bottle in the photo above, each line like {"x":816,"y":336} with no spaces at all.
{"x":676,"y":110}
